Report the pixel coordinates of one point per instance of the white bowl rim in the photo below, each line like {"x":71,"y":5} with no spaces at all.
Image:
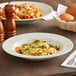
{"x":38,"y":57}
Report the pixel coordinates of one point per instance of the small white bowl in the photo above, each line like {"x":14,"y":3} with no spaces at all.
{"x":10,"y":44}
{"x":45,"y":8}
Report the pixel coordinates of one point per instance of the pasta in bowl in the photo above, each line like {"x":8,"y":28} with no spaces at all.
{"x":29,"y":11}
{"x":60,"y":46}
{"x":25,"y":11}
{"x":38,"y":48}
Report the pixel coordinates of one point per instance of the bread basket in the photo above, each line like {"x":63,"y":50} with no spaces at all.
{"x":69,"y":26}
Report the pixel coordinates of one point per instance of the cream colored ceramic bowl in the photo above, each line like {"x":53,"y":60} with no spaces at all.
{"x":10,"y":44}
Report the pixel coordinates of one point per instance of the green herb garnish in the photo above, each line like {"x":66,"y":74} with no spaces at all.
{"x":55,"y":47}
{"x":47,"y":54}
{"x":26,"y":49}
{"x":39,"y":49}
{"x":21,"y":16}
{"x":38,"y":53}
{"x":32,"y":46}
{"x":44,"y":41}
{"x":25,"y":11}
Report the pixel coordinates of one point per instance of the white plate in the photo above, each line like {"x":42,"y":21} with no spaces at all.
{"x":45,"y":8}
{"x":10,"y":44}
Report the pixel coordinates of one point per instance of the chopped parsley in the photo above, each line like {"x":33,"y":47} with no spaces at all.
{"x":26,"y":49}
{"x":21,"y":16}
{"x":32,"y":46}
{"x":55,"y":47}
{"x":39,"y":49}
{"x":44,"y":41}
{"x":47,"y":54}
{"x":25,"y":11}
{"x":38,"y":54}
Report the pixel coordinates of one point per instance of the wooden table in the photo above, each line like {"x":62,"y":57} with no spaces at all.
{"x":12,"y":66}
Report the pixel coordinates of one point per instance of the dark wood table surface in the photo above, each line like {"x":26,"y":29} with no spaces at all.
{"x":13,"y":66}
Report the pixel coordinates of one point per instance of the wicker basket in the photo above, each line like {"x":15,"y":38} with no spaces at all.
{"x":70,"y":26}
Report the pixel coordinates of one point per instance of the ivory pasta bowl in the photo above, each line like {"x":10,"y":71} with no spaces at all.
{"x":10,"y":44}
{"x":45,"y":8}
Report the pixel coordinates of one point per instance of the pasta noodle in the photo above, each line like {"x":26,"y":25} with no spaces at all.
{"x":25,"y":11}
{"x":37,"y":48}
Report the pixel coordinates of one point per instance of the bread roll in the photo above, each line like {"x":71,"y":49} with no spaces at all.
{"x":71,"y":10}
{"x":66,"y":17}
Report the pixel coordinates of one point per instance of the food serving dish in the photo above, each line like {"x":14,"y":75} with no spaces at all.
{"x":70,"y":26}
{"x":45,"y":8}
{"x":10,"y":44}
